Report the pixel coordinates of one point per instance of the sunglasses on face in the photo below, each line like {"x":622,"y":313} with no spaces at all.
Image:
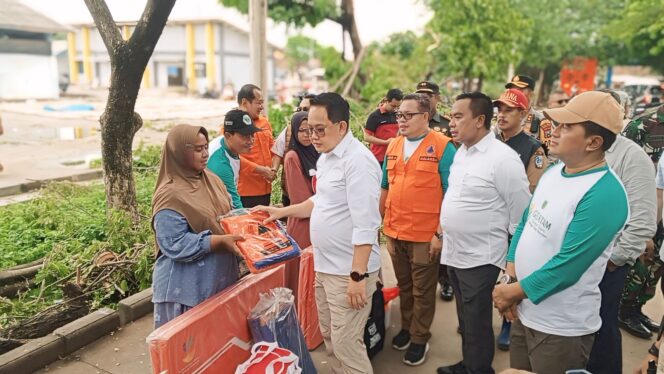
{"x":562,"y":101}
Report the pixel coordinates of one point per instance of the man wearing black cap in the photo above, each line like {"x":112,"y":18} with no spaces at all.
{"x":535,"y":124}
{"x":436,"y":121}
{"x":440,"y":124}
{"x":238,"y":138}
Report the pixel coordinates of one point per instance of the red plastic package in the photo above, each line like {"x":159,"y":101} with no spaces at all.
{"x":265,"y":245}
{"x":214,"y":336}
{"x":269,"y":358}
{"x":306,"y":301}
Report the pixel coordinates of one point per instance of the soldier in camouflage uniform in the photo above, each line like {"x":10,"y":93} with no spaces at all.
{"x":641,"y":286}
{"x":535,"y":124}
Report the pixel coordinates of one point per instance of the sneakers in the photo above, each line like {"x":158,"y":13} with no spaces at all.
{"x":446,"y":292}
{"x":401,"y":341}
{"x":503,"y":340}
{"x":416,"y":354}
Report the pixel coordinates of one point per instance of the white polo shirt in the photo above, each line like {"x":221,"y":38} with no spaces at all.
{"x":346,"y":211}
{"x":487,"y":194}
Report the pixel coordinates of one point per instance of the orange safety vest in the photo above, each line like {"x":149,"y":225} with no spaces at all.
{"x":251,"y":183}
{"x":415,"y":194}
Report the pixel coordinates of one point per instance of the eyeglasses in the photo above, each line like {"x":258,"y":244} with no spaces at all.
{"x":407,"y":116}
{"x":305,"y":131}
{"x":319,"y":131}
{"x":562,"y":101}
{"x":197,"y":148}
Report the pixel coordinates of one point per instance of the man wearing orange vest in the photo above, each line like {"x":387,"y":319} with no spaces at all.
{"x":415,"y":173}
{"x":256,"y":172}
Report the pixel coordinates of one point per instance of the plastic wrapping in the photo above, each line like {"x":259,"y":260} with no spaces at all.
{"x":265,"y":245}
{"x":214,"y":336}
{"x":274,"y":319}
{"x":307,"y":310}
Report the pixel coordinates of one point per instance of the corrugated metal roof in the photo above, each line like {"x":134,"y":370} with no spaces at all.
{"x":16,"y":16}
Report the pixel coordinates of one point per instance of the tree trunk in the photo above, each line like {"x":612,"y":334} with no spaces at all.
{"x":119,"y":123}
{"x":480,"y":82}
{"x":348,"y":17}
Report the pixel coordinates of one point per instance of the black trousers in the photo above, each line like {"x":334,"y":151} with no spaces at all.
{"x":606,"y":355}
{"x":472,"y":291}
{"x":252,"y":201}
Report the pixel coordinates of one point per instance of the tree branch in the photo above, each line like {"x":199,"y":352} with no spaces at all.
{"x":150,"y":26}
{"x":109,"y":31}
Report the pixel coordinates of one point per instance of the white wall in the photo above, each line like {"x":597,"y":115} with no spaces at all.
{"x":28,"y":77}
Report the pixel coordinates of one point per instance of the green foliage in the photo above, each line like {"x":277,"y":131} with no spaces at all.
{"x":69,"y":226}
{"x":296,"y":13}
{"x":478,"y":39}
{"x":279,"y":116}
{"x":299,"y":49}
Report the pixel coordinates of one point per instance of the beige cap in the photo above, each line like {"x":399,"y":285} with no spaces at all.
{"x":598,"y":107}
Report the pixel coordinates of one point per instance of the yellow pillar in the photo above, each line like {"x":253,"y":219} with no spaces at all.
{"x":190,"y":56}
{"x":125,"y":32}
{"x":210,"y":63}
{"x":71,"y":52}
{"x":146,"y":77}
{"x":87,"y":54}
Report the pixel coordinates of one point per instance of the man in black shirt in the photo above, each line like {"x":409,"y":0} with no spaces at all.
{"x":436,"y":121}
{"x":381,"y":126}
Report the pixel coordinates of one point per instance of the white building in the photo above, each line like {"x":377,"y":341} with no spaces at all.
{"x":28,"y":70}
{"x":202,"y":39}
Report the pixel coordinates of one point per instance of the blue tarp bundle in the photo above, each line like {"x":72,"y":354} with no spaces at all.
{"x":274,"y":319}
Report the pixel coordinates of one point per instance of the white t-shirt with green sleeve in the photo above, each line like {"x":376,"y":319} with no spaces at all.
{"x":561,"y":247}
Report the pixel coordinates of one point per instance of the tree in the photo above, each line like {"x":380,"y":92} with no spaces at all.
{"x":641,"y":29}
{"x":478,"y":39}
{"x":310,"y":12}
{"x":119,"y":122}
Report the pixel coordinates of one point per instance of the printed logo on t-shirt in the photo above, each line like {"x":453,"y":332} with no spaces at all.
{"x":537,"y":221}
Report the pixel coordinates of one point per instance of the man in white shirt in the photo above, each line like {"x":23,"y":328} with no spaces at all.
{"x":344,"y":231}
{"x":487,"y":194}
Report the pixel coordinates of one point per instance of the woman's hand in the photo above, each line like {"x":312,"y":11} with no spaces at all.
{"x":227,"y":243}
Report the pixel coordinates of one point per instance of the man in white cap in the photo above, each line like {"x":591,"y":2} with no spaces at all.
{"x":561,"y":247}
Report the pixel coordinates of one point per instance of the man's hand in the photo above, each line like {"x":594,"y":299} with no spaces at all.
{"x":357,"y":294}
{"x":512,"y":313}
{"x":266,"y":172}
{"x":610,"y":266}
{"x":435,"y":248}
{"x":387,"y":141}
{"x":649,"y":254}
{"x":505,"y":296}
{"x":274,"y":212}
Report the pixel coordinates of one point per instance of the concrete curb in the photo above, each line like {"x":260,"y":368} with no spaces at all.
{"x":38,"y":353}
{"x":34,"y":185}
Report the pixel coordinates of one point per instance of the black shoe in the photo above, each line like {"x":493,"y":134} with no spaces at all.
{"x":416,"y":354}
{"x":633,"y":325}
{"x":457,"y":368}
{"x":401,"y":341}
{"x":647,"y":322}
{"x":446,"y":292}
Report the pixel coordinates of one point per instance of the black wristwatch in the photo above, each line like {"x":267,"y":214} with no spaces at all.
{"x":357,"y":277}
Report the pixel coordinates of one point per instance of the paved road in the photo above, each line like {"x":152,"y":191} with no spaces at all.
{"x":131,"y":355}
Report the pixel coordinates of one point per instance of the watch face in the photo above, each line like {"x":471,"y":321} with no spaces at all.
{"x":355,"y":276}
